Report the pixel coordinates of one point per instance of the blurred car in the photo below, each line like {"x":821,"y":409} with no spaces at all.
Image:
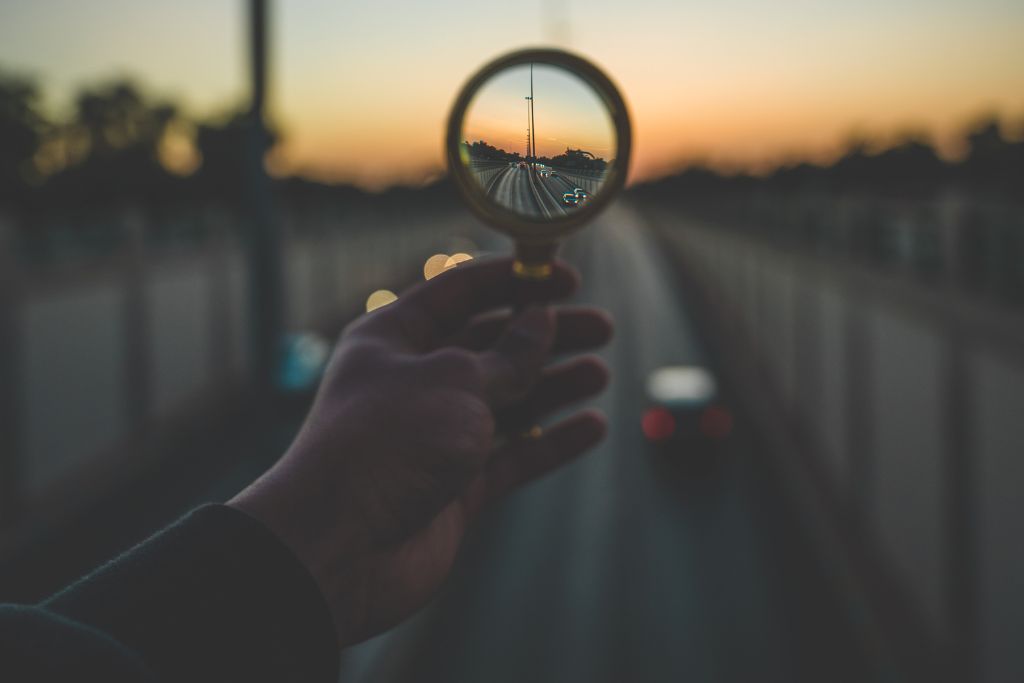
{"x":522,"y":164}
{"x":553,"y":173}
{"x":570,"y":199}
{"x":581,"y":193}
{"x":545,"y":173}
{"x":686,"y":422}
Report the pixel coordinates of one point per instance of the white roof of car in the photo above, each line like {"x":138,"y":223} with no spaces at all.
{"x":681,"y":384}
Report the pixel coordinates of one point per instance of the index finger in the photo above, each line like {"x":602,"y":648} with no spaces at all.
{"x":442,"y":305}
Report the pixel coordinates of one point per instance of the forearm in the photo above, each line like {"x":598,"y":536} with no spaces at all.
{"x":213,"y":597}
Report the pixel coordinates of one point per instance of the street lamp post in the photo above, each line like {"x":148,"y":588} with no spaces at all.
{"x":265,"y":266}
{"x":529,"y":128}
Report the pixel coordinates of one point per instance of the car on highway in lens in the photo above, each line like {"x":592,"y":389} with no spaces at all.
{"x":570,"y":199}
{"x":553,"y":173}
{"x":686,"y":422}
{"x":545,"y":173}
{"x":581,"y":193}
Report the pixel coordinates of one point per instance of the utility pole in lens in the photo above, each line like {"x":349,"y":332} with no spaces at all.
{"x":528,"y":138}
{"x":533,"y":121}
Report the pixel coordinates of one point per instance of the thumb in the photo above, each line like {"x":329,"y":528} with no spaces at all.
{"x":513,"y":365}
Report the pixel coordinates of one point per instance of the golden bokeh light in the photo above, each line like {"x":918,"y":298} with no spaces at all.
{"x":456,"y":259}
{"x":382,"y":297}
{"x":435,"y":265}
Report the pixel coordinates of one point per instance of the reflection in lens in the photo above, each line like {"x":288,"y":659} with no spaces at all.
{"x":538,"y":140}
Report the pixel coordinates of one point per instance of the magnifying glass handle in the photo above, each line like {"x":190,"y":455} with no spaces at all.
{"x":533,"y":265}
{"x":531,"y":272}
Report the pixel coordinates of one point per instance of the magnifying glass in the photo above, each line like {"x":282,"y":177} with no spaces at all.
{"x":538,"y":144}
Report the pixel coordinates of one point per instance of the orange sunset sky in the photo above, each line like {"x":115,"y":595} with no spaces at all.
{"x":362,"y":90}
{"x":567,"y":113}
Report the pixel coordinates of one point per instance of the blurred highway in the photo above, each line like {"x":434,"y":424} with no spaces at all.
{"x":614,"y":569}
{"x":618,"y":568}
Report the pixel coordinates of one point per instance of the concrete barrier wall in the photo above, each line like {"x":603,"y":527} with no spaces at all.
{"x":178,"y":300}
{"x":486,"y":171}
{"x":590,"y":183}
{"x":72,"y":398}
{"x":997,"y":382}
{"x":238,"y":315}
{"x":919,"y":392}
{"x":102,"y":353}
{"x":825,"y":408}
{"x":903,"y":375}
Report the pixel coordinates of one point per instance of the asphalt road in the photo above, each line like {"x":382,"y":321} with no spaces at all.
{"x":614,"y":569}
{"x":511,"y":188}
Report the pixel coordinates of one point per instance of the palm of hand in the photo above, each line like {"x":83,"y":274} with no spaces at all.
{"x":399,"y":453}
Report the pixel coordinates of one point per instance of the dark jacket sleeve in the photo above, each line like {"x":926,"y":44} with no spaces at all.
{"x":214,"y":597}
{"x":38,"y":645}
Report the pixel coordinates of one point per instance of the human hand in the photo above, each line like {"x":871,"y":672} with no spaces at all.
{"x":418,"y":425}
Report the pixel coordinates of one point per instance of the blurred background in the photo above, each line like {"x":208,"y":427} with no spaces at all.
{"x":817,"y":272}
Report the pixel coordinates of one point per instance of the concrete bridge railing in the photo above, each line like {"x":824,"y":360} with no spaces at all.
{"x":589,"y":181}
{"x":909,"y":397}
{"x":486,"y":171}
{"x":98,"y":358}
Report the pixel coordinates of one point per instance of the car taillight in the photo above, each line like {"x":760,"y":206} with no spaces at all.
{"x":715,"y":422}
{"x":658,"y":424}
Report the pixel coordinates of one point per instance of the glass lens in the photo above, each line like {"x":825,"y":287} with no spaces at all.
{"x":538,"y":140}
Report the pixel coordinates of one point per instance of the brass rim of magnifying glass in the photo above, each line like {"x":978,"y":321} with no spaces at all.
{"x":521,"y":227}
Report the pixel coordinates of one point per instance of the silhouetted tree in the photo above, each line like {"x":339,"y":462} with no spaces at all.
{"x":224,"y":149}
{"x":113,"y":145}
{"x":576,"y":159}
{"x":21,"y":129}
{"x":483,"y":150}
{"x":993,"y":163}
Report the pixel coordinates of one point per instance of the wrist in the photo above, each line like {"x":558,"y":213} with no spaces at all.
{"x":329,"y":555}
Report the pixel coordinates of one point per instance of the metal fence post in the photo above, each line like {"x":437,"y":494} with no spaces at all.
{"x":263,"y":225}
{"x":217,"y":244}
{"x":960,"y":518}
{"x":11,"y":494}
{"x":859,"y":429}
{"x":138,"y":366}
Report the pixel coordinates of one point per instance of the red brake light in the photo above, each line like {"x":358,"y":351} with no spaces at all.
{"x":658,"y":424}
{"x":715,"y":422}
